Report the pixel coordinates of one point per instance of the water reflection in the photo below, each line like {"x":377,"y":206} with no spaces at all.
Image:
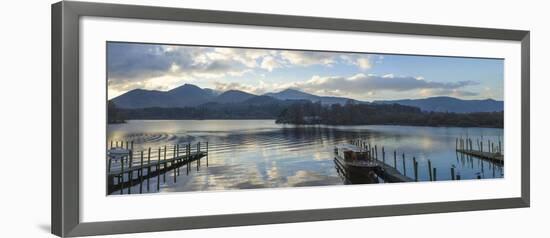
{"x":248,"y":154}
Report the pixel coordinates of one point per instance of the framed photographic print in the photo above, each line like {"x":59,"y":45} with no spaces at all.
{"x":167,"y":119}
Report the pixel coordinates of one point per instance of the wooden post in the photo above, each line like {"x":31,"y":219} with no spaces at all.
{"x":122,"y":175}
{"x":132,"y":145}
{"x":435,"y":174}
{"x":394,"y":159}
{"x":111,"y":144}
{"x":148,"y":167}
{"x":430,"y":169}
{"x":499,"y":147}
{"x":452,"y":173}
{"x":109,"y":166}
{"x":158,"y":171}
{"x":481,"y":146}
{"x":207,"y":154}
{"x":404,"y":168}
{"x":173,"y":162}
{"x":376,"y":151}
{"x":130,"y":171}
{"x":140,"y":174}
{"x":179,"y":159}
{"x":164,"y":166}
{"x":415,"y":171}
{"x":383,"y":155}
{"x":197,"y":154}
{"x":456,"y":144}
{"x":188,"y":148}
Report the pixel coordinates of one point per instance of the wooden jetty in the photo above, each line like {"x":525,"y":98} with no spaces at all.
{"x":127,"y":167}
{"x":362,"y":159}
{"x":492,"y":152}
{"x":358,"y":162}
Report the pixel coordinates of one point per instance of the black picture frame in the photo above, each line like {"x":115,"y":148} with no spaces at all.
{"x":65,"y":117}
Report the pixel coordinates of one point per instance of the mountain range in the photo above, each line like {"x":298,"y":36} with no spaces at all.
{"x":189,"y":95}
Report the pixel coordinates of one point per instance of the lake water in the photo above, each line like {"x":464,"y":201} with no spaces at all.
{"x":247,"y":154}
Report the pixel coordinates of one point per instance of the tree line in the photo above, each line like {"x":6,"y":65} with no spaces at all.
{"x":305,"y":112}
{"x":383,"y":114}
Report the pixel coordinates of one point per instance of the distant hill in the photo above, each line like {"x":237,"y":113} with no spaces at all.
{"x":187,"y":95}
{"x":233,"y":96}
{"x":293,"y":94}
{"x":449,"y":104}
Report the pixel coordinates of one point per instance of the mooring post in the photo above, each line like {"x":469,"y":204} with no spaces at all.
{"x":207,"y":154}
{"x":481,"y":146}
{"x":158,"y":171}
{"x":140,"y":174}
{"x":148,"y":167}
{"x":394,"y":159}
{"x":174,"y":162}
{"x":383,"y":155}
{"x":178,"y":161}
{"x":430,"y":169}
{"x":188,"y":151}
{"x":456,"y":144}
{"x":404,"y":168}
{"x":130,"y":172}
{"x":376,"y":151}
{"x":415,"y":171}
{"x":435,"y":174}
{"x":452,"y":173}
{"x":122,"y":175}
{"x":110,"y":162}
{"x":198,"y":158}
{"x":164,"y":166}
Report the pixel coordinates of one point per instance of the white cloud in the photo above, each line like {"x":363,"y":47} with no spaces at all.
{"x":307,"y":58}
{"x":269,"y":63}
{"x":364,"y":63}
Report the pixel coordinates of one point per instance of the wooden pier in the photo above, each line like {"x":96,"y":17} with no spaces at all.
{"x":492,"y":151}
{"x":127,"y":167}
{"x":379,"y":167}
{"x":387,"y":167}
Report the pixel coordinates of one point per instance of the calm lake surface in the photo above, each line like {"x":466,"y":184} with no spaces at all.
{"x":261,"y":154}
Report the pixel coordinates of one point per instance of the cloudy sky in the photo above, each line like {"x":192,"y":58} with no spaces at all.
{"x":360,"y":76}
